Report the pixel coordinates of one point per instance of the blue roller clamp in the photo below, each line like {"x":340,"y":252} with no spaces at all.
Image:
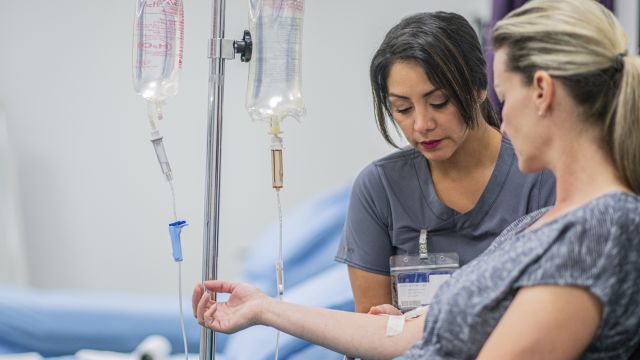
{"x":174,"y":230}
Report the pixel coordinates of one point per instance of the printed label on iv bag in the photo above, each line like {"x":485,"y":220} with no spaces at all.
{"x":157,"y":47}
{"x":274,"y":85}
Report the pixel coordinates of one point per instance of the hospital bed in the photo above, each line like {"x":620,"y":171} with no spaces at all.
{"x":58,"y":323}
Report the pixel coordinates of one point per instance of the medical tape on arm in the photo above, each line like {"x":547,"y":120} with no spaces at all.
{"x":395,"y":323}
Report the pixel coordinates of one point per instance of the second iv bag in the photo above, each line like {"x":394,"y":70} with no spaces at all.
{"x":274,"y":88}
{"x":157,"y":47}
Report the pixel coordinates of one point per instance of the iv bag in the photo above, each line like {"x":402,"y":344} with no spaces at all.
{"x":158,"y":36}
{"x":274,"y":87}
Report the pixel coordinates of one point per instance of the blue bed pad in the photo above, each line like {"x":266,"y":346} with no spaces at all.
{"x":61,"y":322}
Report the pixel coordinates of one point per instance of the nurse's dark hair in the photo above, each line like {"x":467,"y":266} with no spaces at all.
{"x":582,"y":45}
{"x":448,"y":50}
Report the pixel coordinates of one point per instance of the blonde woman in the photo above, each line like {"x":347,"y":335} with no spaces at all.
{"x":559,"y":283}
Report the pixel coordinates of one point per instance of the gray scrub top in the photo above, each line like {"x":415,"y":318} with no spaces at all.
{"x":394,"y":198}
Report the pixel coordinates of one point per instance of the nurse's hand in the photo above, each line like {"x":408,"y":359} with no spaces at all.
{"x":241,"y":310}
{"x":384,"y":309}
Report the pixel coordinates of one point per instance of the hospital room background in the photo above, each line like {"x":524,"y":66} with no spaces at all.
{"x":84,"y":208}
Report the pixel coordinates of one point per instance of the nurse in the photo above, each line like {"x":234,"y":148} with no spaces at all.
{"x":457,"y":185}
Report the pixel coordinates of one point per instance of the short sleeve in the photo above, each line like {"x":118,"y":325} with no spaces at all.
{"x":603,"y":257}
{"x":564,"y":261}
{"x":366,"y":243}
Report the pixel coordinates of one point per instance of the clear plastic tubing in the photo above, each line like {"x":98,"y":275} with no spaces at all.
{"x":279,"y":268}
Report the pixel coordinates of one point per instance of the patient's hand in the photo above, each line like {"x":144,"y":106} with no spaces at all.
{"x":384,"y":309}
{"x":241,"y":310}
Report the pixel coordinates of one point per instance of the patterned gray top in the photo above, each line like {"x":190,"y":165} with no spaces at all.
{"x":596,"y":246}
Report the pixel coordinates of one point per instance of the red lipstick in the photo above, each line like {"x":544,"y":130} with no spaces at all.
{"x":430,"y":145}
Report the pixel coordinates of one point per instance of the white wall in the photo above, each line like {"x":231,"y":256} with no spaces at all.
{"x":95,"y":206}
{"x":627,"y":12}
{"x":13,"y":266}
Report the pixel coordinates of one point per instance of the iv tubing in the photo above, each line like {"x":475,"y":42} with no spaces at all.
{"x":279,"y":266}
{"x":182,"y":328}
{"x":173,"y":201}
{"x":154,"y":113}
{"x":277,"y":183}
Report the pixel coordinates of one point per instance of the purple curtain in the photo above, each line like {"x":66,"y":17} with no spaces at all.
{"x":500,"y":9}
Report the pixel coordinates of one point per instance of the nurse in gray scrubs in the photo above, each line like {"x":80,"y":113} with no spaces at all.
{"x":457,"y":183}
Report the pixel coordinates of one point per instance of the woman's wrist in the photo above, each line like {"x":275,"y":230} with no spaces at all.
{"x":265,"y":310}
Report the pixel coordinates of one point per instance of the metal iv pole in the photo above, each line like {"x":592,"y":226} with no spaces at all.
{"x":220,"y":50}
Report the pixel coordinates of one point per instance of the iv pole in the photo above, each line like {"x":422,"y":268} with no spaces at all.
{"x":220,"y":50}
{"x":212,"y":177}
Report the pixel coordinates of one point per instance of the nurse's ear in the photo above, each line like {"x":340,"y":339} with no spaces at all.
{"x":543,"y":91}
{"x":482,"y":96}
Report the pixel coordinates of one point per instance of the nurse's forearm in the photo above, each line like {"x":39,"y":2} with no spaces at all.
{"x":354,"y":334}
{"x":369,"y":289}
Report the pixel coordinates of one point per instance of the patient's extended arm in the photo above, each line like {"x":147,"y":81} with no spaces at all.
{"x":355,"y":334}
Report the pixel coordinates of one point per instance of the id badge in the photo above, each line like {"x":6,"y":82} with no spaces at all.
{"x":415,"y":279}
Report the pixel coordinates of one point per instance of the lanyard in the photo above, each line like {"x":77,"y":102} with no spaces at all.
{"x":422,"y":244}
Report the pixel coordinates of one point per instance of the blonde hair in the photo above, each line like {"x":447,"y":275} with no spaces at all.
{"x":582,"y":44}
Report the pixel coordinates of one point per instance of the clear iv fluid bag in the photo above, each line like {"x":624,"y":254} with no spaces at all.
{"x":158,"y":37}
{"x":274,"y":87}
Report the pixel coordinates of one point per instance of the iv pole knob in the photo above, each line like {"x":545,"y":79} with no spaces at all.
{"x":244,"y":47}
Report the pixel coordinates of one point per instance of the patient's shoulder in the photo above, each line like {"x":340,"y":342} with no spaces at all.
{"x":597,"y":248}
